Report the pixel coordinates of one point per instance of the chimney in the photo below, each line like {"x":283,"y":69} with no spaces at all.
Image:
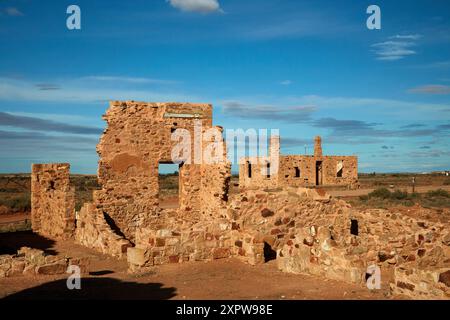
{"x":274,"y":145}
{"x":317,"y":146}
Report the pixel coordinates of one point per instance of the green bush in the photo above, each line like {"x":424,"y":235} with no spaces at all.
{"x":414,"y":195}
{"x":364,"y":197}
{"x":438,"y":193}
{"x":399,"y":195}
{"x":408,"y":203}
{"x":19,"y":203}
{"x":381,"y":193}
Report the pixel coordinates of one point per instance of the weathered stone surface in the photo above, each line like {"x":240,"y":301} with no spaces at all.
{"x":52,"y":268}
{"x":83,"y":263}
{"x":136,"y":256}
{"x":266,"y":213}
{"x":444,"y":277}
{"x":221,"y":253}
{"x":52,"y":201}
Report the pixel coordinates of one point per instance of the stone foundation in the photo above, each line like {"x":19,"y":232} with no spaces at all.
{"x":32,"y":262}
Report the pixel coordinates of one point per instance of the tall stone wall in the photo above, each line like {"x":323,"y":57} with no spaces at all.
{"x":52,"y":201}
{"x":215,"y":177}
{"x":136,"y":140}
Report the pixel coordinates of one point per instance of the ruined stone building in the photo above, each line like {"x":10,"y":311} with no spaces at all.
{"x":299,"y":170}
{"x":304,"y":229}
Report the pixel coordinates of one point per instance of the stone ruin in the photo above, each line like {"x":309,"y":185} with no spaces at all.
{"x":299,"y":170}
{"x":303,"y":229}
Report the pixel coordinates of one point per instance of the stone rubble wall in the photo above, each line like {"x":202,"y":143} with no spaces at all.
{"x":422,"y":283}
{"x":181,"y":241}
{"x":94,"y":232}
{"x":311,"y":234}
{"x":32,"y":262}
{"x":52,"y":201}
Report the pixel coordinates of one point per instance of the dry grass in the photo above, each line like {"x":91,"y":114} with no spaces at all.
{"x":384,"y":198}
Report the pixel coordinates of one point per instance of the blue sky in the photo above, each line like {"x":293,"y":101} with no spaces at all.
{"x":304,"y":67}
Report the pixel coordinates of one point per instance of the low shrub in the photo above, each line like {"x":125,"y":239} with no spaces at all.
{"x":438,"y":193}
{"x":19,"y":203}
{"x":399,"y":195}
{"x":381,"y":193}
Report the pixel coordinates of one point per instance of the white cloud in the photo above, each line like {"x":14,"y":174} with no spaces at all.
{"x":82,"y":91}
{"x":434,"y":65}
{"x":393,"y":50}
{"x":286,"y":82}
{"x":406,"y":36}
{"x":14,"y":12}
{"x":360,"y":107}
{"x":202,"y":6}
{"x":431,"y":89}
{"x":127,"y":79}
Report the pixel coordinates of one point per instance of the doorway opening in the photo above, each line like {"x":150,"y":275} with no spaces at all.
{"x":339,"y":169}
{"x":169,"y":185}
{"x":354,"y":227}
{"x":268,"y":170}
{"x":269,"y":253}
{"x":318,"y":173}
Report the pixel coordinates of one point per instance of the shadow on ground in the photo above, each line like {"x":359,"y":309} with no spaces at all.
{"x":95,"y":288}
{"x":10,"y":242}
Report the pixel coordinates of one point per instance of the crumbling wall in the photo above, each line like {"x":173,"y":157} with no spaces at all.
{"x":52,"y":201}
{"x":136,"y":140}
{"x":93,"y":231}
{"x":215,"y":172}
{"x":178,"y":235}
{"x":31,"y":262}
{"x":177,"y":242}
{"x":417,"y":282}
{"x":313,"y":233}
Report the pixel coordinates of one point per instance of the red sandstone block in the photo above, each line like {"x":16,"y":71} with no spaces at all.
{"x":160,"y":242}
{"x":209,"y":237}
{"x":266,"y":212}
{"x":275,"y":231}
{"x":220,"y":253}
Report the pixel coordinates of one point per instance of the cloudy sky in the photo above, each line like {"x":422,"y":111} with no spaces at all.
{"x":304,"y":67}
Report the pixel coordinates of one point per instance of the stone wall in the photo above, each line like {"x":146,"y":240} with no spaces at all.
{"x":30,"y":262}
{"x":93,"y":231}
{"x":136,"y":140}
{"x":52,"y":201}
{"x":308,"y":232}
{"x":417,"y":282}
